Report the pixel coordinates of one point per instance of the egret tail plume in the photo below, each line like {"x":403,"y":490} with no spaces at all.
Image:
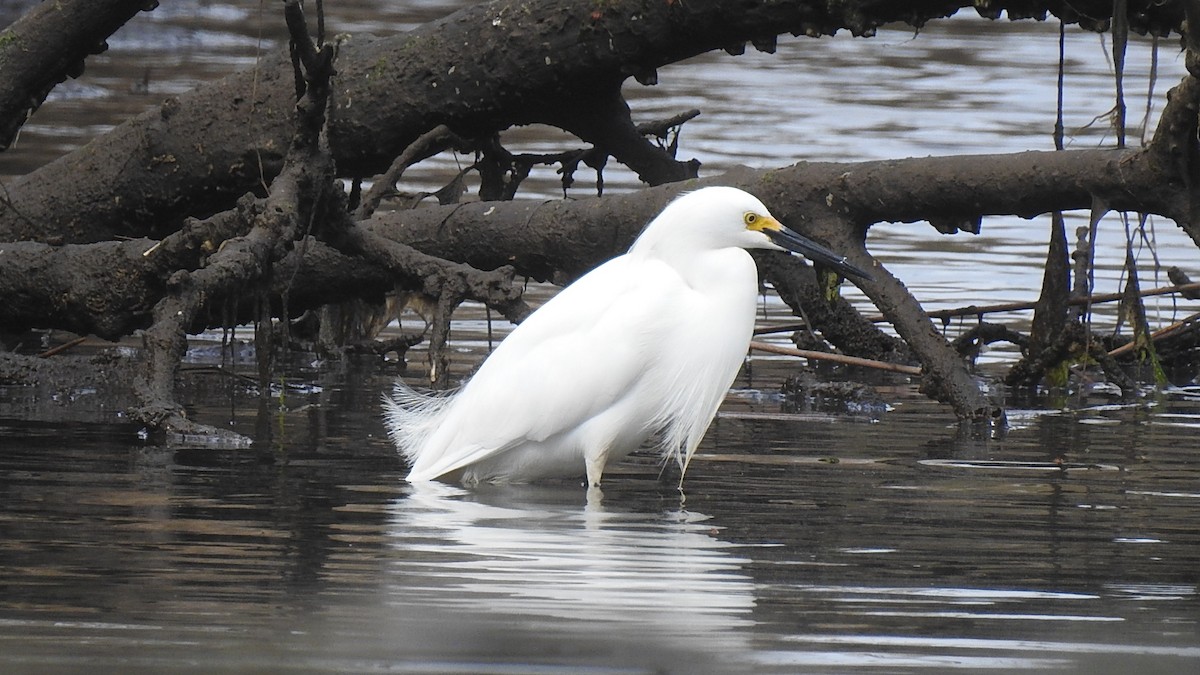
{"x":411,"y":417}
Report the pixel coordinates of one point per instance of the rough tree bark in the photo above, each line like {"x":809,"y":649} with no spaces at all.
{"x":272,"y":225}
{"x":49,"y":44}
{"x":541,"y":61}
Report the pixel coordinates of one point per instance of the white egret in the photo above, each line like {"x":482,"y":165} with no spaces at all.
{"x":647,"y":343}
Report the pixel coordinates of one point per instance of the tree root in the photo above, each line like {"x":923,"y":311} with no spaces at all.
{"x":274,"y":223}
{"x":451,"y":283}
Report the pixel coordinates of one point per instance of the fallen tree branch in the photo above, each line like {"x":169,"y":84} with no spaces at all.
{"x":47,"y":45}
{"x":196,"y":154}
{"x":450,"y":283}
{"x":275,"y":224}
{"x":430,"y":143}
{"x":562,"y":240}
{"x":559,"y":240}
{"x":835,"y":203}
{"x":809,"y":294}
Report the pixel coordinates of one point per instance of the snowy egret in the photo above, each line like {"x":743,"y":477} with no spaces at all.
{"x":647,"y":343}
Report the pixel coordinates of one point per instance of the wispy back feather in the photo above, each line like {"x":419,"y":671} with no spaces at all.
{"x":688,"y":409}
{"x":410,"y":417}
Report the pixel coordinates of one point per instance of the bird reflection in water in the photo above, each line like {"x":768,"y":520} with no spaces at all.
{"x":536,"y":558}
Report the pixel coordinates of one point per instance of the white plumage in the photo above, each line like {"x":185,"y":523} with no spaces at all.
{"x":647,"y":342}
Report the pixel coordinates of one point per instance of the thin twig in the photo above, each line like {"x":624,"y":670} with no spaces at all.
{"x":660,"y":128}
{"x":62,"y":348}
{"x":1157,"y":335}
{"x":1011,"y":306}
{"x":836,"y":358}
{"x":219,"y":370}
{"x":429,"y":143}
{"x":974,"y":310}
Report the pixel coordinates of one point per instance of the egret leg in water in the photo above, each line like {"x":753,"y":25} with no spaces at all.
{"x":647,"y":343}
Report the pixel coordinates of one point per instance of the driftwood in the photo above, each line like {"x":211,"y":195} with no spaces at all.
{"x":228,"y":193}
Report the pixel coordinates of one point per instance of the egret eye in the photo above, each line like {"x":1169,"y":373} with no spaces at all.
{"x":750,"y":218}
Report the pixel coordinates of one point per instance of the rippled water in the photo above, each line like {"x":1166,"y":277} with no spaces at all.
{"x":805,"y":543}
{"x":886,"y":541}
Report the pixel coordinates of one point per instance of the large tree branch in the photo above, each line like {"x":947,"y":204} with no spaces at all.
{"x":560,"y":240}
{"x":49,"y":44}
{"x":195,"y":155}
{"x":602,"y":117}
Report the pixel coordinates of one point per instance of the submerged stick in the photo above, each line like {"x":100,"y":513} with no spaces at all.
{"x":836,"y":358}
{"x":62,"y":348}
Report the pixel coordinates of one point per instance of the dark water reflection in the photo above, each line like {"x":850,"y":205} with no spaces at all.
{"x":805,"y":543}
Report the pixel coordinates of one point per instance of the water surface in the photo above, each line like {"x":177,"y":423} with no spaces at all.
{"x":802,"y":543}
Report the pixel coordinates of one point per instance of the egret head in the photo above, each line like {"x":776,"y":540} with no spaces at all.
{"x":720,"y":217}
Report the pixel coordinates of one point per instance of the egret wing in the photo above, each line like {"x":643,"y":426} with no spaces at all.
{"x":571,"y":360}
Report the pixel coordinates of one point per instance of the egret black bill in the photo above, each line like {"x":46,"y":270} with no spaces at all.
{"x":814,"y":251}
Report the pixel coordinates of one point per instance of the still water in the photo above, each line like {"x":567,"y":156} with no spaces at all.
{"x":805,"y":543}
{"x":887,"y":540}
